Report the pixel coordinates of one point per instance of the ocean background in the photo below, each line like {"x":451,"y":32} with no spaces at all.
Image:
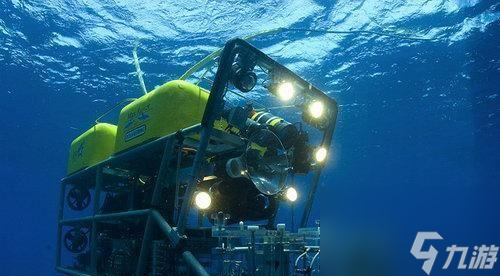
{"x":417,"y":144}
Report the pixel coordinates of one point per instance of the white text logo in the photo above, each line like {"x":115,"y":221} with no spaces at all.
{"x":483,"y":257}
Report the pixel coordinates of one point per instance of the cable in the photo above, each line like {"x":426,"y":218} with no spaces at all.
{"x":113,"y":108}
{"x":313,"y":259}
{"x":200,"y":64}
{"x":300,"y":256}
{"x":388,"y":34}
{"x":138,"y":70}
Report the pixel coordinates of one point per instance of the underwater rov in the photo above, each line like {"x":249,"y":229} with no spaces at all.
{"x":128,"y":201}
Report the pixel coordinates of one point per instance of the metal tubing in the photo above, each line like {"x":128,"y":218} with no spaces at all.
{"x":155,"y":202}
{"x":193,"y":263}
{"x":76,"y":221}
{"x":162,"y":171}
{"x":154,"y":216}
{"x":253,"y":252}
{"x":60,"y":215}
{"x":93,"y":240}
{"x":214,"y":105}
{"x":171,"y":234}
{"x":268,"y":62}
{"x":71,"y":271}
{"x":145,"y":246}
{"x":314,"y":259}
{"x":106,"y":217}
{"x":175,"y":239}
{"x":121,"y":215}
{"x":310,"y":199}
{"x":97,"y":190}
{"x":190,"y":189}
{"x":327,"y":141}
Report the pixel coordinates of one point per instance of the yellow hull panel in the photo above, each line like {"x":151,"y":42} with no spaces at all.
{"x":92,"y":147}
{"x":173,"y":106}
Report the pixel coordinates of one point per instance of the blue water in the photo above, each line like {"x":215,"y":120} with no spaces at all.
{"x":416,"y":146}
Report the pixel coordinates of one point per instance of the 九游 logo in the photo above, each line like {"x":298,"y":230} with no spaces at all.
{"x":483,"y":257}
{"x":430,"y":255}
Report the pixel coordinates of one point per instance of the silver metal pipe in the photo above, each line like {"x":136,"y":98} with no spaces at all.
{"x":171,"y":234}
{"x":214,"y":106}
{"x":193,"y":263}
{"x":145,"y":246}
{"x":93,"y":238}
{"x":198,"y":161}
{"x":71,"y":271}
{"x":174,"y":238}
{"x":104,"y":217}
{"x":155,"y":201}
{"x":59,"y":226}
{"x":314,"y":259}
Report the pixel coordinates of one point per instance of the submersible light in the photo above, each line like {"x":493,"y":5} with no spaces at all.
{"x":320,"y":154}
{"x":316,"y":109}
{"x":285,"y":91}
{"x":291,"y":194}
{"x":202,"y":200}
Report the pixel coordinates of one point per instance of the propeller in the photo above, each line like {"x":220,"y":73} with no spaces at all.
{"x":78,"y":198}
{"x":75,"y":240}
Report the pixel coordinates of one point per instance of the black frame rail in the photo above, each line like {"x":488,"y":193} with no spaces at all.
{"x":216,"y":103}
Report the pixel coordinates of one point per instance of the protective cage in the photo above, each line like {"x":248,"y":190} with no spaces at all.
{"x":137,"y":236}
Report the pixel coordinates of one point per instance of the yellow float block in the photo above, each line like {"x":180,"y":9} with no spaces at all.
{"x":92,"y":147}
{"x":173,"y":106}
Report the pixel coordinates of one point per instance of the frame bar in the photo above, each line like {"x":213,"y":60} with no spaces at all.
{"x":93,"y":238}
{"x":59,"y":226}
{"x":155,"y":201}
{"x":215,"y":105}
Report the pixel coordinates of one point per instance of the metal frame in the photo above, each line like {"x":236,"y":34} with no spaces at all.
{"x":165,"y":147}
{"x":153,"y":217}
{"x":215,"y":106}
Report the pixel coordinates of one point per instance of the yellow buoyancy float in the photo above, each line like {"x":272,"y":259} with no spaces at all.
{"x":173,"y":106}
{"x":92,"y":147}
